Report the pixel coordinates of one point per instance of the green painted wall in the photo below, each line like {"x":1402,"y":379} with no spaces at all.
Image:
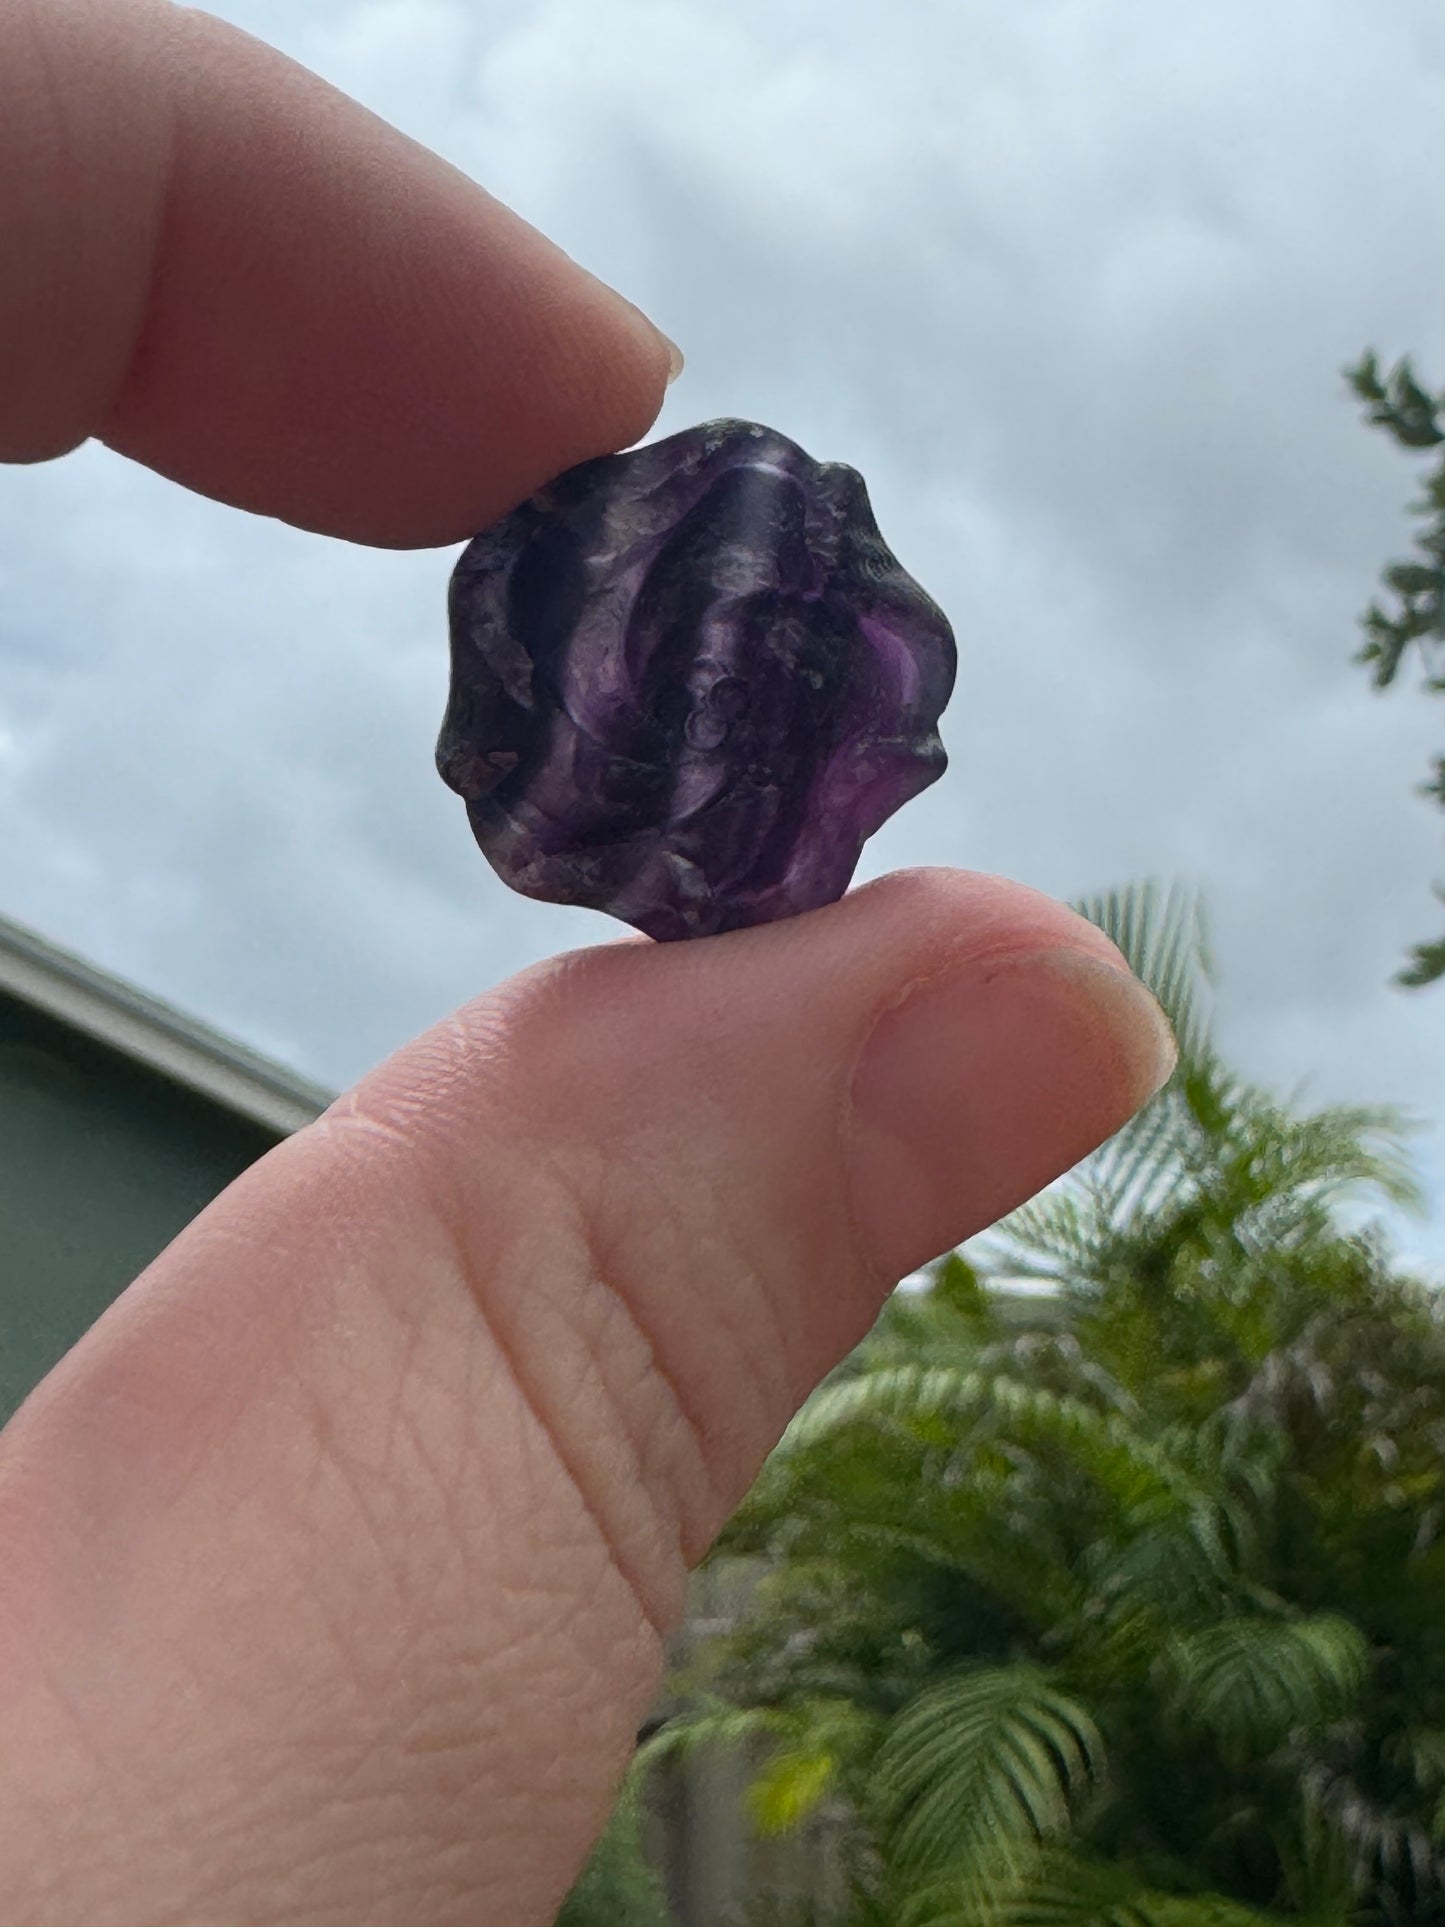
{"x":101,"y":1164}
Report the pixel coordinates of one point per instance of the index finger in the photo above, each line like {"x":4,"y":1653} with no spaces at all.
{"x":233,"y":273}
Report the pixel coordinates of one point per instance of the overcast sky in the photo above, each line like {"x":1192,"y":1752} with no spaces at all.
{"x":1070,"y":281}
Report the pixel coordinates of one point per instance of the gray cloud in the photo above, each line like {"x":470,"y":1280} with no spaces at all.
{"x":1071,"y":284}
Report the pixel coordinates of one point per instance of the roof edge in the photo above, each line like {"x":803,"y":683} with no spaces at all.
{"x":155,"y":1034}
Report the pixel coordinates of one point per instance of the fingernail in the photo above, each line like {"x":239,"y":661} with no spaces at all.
{"x":982,"y":1085}
{"x":645,"y":324}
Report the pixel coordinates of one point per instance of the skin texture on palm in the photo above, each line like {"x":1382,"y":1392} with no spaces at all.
{"x":339,"y":1556}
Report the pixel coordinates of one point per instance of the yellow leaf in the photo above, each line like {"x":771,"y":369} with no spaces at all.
{"x":788,"y":1789}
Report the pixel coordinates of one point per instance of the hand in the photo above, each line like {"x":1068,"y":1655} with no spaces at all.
{"x":338,"y":1558}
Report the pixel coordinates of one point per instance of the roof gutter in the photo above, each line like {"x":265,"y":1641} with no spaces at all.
{"x":154,"y":1034}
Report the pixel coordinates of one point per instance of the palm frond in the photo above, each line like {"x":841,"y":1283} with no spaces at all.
{"x":1055,"y":1233}
{"x":1139,"y":1476}
{"x":1420,"y":1751}
{"x":1252,"y":1682}
{"x":1074,"y":1890}
{"x":1138,"y":1172}
{"x":1330,"y":1154}
{"x":976,"y":1773}
{"x":1163,"y":933}
{"x":1212,"y":1174}
{"x":711,"y":1722}
{"x":1127,"y":1500}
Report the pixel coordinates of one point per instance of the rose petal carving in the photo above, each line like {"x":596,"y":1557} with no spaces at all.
{"x":689,"y":682}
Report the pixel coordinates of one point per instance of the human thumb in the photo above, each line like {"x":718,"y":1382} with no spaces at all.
{"x":341,"y":1555}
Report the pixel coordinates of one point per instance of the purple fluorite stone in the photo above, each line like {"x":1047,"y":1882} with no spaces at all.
{"x":689,"y":681}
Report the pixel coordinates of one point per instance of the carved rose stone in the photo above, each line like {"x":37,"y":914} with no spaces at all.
{"x":689,"y":682}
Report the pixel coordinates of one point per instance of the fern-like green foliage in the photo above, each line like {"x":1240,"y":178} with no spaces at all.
{"x":1253,"y":1683}
{"x":1163,"y":931}
{"x":978,"y":1772}
{"x":1173,"y":1239}
{"x":1070,"y":1889}
{"x":618,"y":1888}
{"x":1103,"y":1584}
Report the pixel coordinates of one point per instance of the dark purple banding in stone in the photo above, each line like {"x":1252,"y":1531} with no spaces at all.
{"x":689,"y":682}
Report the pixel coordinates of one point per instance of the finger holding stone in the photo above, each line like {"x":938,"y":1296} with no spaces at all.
{"x":234,"y":274}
